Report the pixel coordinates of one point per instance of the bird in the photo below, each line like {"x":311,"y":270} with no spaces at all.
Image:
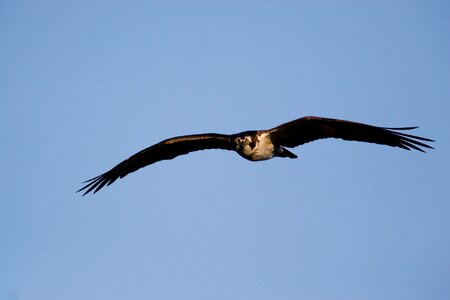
{"x":260,"y":145}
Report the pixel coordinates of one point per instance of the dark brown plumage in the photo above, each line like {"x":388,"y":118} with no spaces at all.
{"x":261,"y":144}
{"x":308,"y":129}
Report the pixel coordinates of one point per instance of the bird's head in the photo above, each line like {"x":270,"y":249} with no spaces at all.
{"x":242,"y":142}
{"x":245,"y":145}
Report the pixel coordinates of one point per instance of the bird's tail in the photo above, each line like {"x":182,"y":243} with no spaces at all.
{"x":283,"y":152}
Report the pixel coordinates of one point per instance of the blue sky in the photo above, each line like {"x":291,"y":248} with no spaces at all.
{"x":85,"y":84}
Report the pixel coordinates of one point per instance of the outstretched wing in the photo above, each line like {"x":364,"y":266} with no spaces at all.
{"x":308,"y":129}
{"x":166,"y":149}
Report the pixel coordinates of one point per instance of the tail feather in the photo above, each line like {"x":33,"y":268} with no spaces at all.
{"x":283,"y":152}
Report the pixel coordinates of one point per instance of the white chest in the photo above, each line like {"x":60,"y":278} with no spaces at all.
{"x":263,"y":149}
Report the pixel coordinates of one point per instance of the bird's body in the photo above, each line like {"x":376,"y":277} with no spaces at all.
{"x":254,"y":147}
{"x":258,"y":145}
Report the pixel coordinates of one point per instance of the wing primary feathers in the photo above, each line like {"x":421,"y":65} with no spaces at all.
{"x":91,"y":185}
{"x":401,"y":128}
{"x":410,"y":135}
{"x":409,"y":140}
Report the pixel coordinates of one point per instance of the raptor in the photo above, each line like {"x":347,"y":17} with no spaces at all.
{"x":258,"y":145}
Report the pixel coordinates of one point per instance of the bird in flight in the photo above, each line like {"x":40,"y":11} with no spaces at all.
{"x":256,"y":145}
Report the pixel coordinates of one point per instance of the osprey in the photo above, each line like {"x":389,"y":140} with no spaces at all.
{"x":256,"y":145}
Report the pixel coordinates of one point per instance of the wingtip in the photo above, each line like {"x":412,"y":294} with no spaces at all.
{"x":91,"y":184}
{"x":80,"y":190}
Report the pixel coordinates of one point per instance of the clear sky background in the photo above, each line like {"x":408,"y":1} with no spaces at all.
{"x":85,"y":84}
